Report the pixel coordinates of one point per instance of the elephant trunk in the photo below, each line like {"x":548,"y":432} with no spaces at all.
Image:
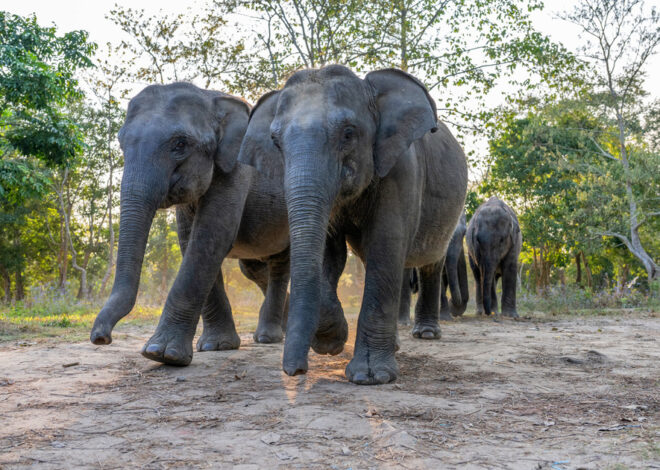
{"x":138,"y":208}
{"x":487,"y":279}
{"x":308,"y":205}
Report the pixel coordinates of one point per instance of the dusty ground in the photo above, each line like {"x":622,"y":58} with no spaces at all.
{"x":535,"y":394}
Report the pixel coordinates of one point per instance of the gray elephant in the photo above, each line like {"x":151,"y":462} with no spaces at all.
{"x":180,"y":146}
{"x":494,"y":242}
{"x":454,"y":276}
{"x":366,"y":159}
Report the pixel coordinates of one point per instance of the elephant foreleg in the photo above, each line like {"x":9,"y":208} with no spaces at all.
{"x":509,"y":273}
{"x":332,"y":331}
{"x":463,"y":285}
{"x":427,"y":308}
{"x":493,"y":294}
{"x":219,"y":331}
{"x":212,"y":234}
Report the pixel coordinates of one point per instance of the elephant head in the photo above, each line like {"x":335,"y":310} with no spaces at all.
{"x":336,"y":134}
{"x":173,"y":140}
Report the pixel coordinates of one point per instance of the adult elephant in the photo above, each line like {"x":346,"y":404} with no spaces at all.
{"x":454,"y":276}
{"x":180,"y":146}
{"x":367,"y":159}
{"x":494,"y":242}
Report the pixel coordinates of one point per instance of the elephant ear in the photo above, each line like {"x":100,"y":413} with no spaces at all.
{"x":257,"y":149}
{"x":406,"y":112}
{"x":232,"y":115}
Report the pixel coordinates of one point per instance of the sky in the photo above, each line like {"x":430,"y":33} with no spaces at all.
{"x":90,"y":15}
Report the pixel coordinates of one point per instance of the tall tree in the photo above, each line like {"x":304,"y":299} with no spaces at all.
{"x":621,"y":36}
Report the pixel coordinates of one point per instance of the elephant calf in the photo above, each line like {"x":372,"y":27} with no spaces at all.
{"x":368,"y":160}
{"x":494,"y":242}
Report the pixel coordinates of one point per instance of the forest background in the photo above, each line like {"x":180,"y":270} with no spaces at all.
{"x":565,"y":131}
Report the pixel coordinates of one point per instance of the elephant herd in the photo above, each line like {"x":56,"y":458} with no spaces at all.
{"x":327,"y":160}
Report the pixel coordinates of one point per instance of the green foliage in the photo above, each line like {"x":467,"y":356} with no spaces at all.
{"x":37,"y":78}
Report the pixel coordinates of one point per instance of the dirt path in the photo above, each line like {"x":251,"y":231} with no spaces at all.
{"x":579,"y":393}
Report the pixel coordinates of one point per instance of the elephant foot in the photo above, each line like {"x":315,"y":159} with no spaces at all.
{"x":372,"y":368}
{"x":480,"y":312}
{"x":510,"y":314}
{"x":404,"y":320}
{"x":426,"y":331}
{"x":213,"y":340}
{"x":169,"y":346}
{"x":331,"y":340}
{"x":445,"y":315}
{"x":268,"y":333}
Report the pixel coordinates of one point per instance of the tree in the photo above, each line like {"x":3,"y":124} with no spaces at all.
{"x":621,"y":36}
{"x":180,"y":47}
{"x":37,"y":78}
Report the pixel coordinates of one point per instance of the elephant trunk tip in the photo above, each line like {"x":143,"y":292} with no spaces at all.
{"x":101,"y":335}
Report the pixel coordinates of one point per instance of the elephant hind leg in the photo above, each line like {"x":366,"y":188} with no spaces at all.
{"x":219,"y":333}
{"x":272,"y":277}
{"x":427,"y":308}
{"x":445,"y":309}
{"x":406,"y":294}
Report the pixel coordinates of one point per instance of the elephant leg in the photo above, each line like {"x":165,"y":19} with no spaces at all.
{"x":271,"y":314}
{"x":219,"y":331}
{"x":509,"y":272}
{"x":445,"y":312}
{"x":268,"y":329}
{"x":478,"y":287}
{"x":406,"y":294}
{"x":493,"y":294}
{"x":463,"y":285}
{"x":211,"y":236}
{"x":384,"y":252}
{"x":426,"y":310}
{"x":332,"y":331}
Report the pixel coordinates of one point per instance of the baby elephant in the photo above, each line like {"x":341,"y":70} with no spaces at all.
{"x":494,"y":242}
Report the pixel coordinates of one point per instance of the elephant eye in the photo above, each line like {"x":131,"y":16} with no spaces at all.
{"x":276,"y":141}
{"x":179,"y":145}
{"x":349,"y":132}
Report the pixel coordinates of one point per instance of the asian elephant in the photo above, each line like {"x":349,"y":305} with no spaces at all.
{"x":180,"y":146}
{"x":368,"y":160}
{"x":454,"y":276}
{"x":494,"y":242}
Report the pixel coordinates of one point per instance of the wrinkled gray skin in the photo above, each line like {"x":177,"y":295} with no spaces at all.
{"x":494,"y":242}
{"x":180,"y":145}
{"x":454,"y":276}
{"x":360,"y":158}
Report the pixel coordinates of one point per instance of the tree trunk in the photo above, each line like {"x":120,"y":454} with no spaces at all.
{"x":19,"y":287}
{"x":587,"y":271}
{"x":578,"y":265}
{"x":6,"y":284}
